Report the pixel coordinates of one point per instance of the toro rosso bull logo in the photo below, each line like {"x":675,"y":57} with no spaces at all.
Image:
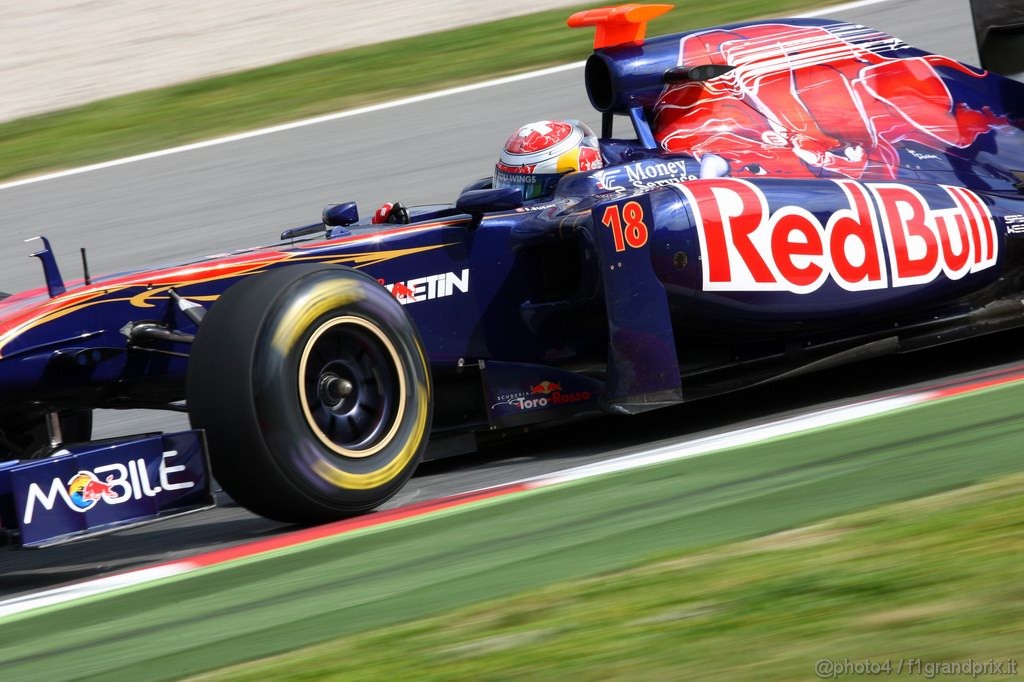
{"x":541,"y":395}
{"x":545,"y":388}
{"x":887,"y":235}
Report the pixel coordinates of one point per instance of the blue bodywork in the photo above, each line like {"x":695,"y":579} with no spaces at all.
{"x":665,"y":275}
{"x":89,"y":488}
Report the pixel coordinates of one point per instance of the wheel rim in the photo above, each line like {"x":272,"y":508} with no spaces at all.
{"x":351,"y":386}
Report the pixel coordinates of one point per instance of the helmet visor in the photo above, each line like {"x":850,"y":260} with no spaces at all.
{"x":532,"y":185}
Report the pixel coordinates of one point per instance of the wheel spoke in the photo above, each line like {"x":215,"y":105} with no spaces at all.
{"x":365,"y":362}
{"x":367,"y":415}
{"x":353,"y":425}
{"x":342,"y":431}
{"x":370,"y":402}
{"x":354,"y":356}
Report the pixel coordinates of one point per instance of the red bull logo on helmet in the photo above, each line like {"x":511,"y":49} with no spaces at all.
{"x":888,"y":235}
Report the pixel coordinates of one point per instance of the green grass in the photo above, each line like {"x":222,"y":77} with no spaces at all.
{"x":937,"y":580}
{"x":159,"y":118}
{"x":360,"y":583}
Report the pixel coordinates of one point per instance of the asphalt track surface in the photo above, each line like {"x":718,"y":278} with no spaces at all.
{"x":235,"y":195}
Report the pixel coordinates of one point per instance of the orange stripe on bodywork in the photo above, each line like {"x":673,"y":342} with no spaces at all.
{"x":157,"y":283}
{"x":358,"y":260}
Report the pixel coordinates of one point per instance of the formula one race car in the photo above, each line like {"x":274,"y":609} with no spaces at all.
{"x":794,"y":194}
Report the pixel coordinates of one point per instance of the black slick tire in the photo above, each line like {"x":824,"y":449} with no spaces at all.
{"x":313,"y":388}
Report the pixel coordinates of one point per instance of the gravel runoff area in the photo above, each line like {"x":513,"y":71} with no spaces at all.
{"x":56,"y":54}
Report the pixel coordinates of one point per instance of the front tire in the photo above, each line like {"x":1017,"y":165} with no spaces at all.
{"x":314,"y":391}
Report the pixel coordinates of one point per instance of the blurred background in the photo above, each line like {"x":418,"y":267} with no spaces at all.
{"x":197,"y":73}
{"x":56,"y":54}
{"x":153,"y":133}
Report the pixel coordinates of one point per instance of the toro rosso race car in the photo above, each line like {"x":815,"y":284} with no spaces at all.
{"x":790,"y":195}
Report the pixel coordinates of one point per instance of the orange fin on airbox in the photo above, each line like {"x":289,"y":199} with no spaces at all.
{"x":618,"y":25}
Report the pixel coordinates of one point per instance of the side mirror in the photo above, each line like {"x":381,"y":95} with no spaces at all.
{"x":476,"y":202}
{"x":341,"y":215}
{"x":335,"y":215}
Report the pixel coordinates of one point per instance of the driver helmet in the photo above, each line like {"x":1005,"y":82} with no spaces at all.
{"x":537,"y":155}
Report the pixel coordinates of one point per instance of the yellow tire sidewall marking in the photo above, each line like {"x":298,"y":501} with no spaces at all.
{"x":323,"y":298}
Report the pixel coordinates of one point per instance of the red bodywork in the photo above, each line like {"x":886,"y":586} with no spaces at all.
{"x":803,"y":101}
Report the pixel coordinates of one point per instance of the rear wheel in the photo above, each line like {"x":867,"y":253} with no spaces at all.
{"x":314,"y":391}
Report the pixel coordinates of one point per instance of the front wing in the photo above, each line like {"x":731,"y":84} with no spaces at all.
{"x":90,"y":488}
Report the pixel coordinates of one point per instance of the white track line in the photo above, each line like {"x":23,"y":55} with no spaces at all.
{"x":845,"y":7}
{"x":89,"y":588}
{"x":356,"y":112}
{"x":291,"y":126}
{"x":790,"y":426}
